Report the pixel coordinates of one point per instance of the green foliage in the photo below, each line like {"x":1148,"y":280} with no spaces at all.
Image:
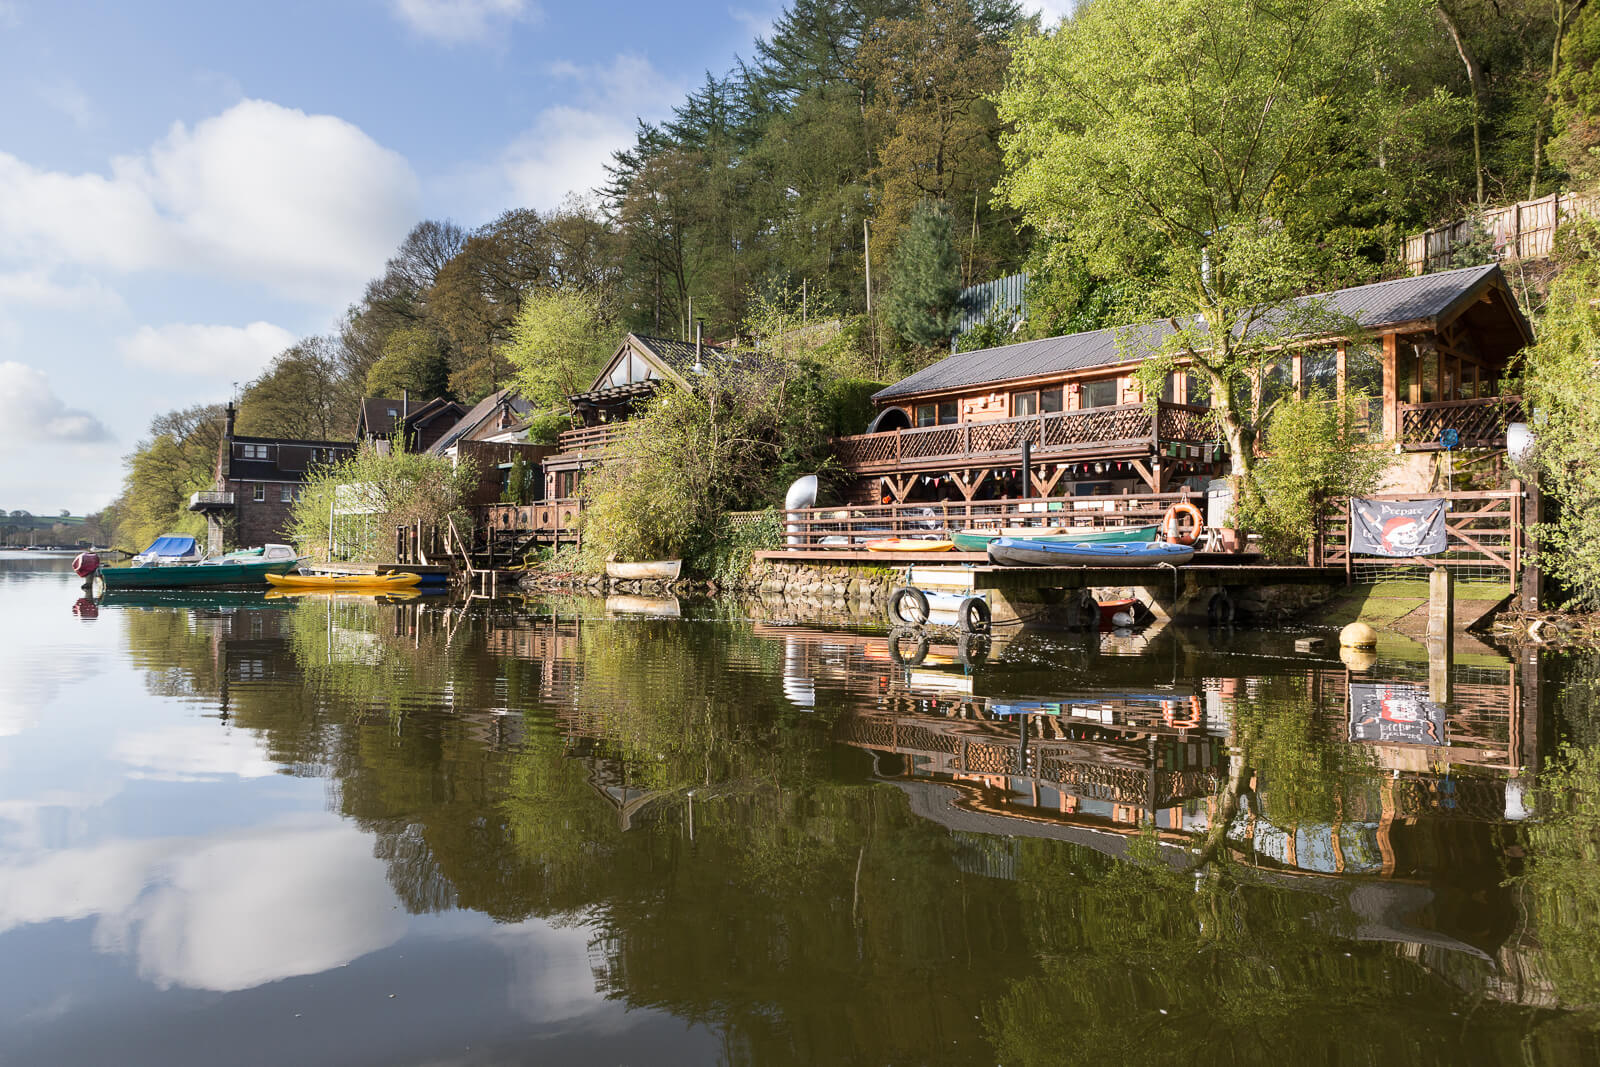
{"x":368,"y":495}
{"x":521,"y":481}
{"x":413,"y":362}
{"x":544,"y":429}
{"x":999,"y":327}
{"x":733,"y":549}
{"x":561,"y":339}
{"x":1562,"y":878}
{"x":178,"y":458}
{"x":690,"y":457}
{"x":1563,"y":387}
{"x":924,"y":279}
{"x":1197,"y":155}
{"x":1317,"y":453}
{"x":1576,"y":84}
{"x":306,"y":394}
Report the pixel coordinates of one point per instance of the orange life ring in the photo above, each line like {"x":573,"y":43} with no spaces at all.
{"x":1194,"y":718}
{"x":1169,"y":523}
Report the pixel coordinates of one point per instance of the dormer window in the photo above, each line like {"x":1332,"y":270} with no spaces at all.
{"x":253,"y":451}
{"x":393,"y":412}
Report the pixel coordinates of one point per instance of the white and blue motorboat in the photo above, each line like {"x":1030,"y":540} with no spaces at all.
{"x":1027,"y":552}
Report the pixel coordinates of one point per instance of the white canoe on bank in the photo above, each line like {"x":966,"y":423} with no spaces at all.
{"x":661,"y":569}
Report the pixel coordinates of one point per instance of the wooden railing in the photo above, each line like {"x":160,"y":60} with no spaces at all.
{"x":545,"y":517}
{"x":848,"y":528}
{"x":591,"y":438}
{"x":1104,"y":430}
{"x":1483,"y":530}
{"x":1477,"y":423}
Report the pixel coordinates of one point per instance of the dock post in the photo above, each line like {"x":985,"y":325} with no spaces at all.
{"x":1441,"y":631}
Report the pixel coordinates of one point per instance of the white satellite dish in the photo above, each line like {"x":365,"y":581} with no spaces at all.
{"x":1519,"y":443}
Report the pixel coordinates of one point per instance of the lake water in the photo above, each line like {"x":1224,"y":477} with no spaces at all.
{"x":246,"y":830}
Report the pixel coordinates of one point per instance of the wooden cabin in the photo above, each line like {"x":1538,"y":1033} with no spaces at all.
{"x":1433,"y":354}
{"x":639,"y":367}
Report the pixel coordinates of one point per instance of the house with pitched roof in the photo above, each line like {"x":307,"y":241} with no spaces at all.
{"x":256,"y":481}
{"x":640,"y":367}
{"x":1430,"y":360}
{"x":379,"y":419}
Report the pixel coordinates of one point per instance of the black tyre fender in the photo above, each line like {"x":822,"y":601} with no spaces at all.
{"x":972,"y":617}
{"x":1220,"y":608}
{"x":919,"y":606}
{"x":918,"y":653}
{"x":972,"y":649}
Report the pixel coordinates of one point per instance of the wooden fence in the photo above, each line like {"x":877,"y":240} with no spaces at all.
{"x":1484,"y":530}
{"x":1524,"y":230}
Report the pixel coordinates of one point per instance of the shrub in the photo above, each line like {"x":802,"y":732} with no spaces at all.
{"x":1317,"y":453}
{"x":350,"y":509}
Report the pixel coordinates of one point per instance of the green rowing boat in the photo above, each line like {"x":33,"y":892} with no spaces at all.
{"x":215,"y":574}
{"x":978,"y":540}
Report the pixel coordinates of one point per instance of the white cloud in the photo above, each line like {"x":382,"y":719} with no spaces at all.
{"x":462,"y":21}
{"x":35,"y":415}
{"x":192,"y":752}
{"x":308,"y":204}
{"x":568,"y":146}
{"x":38,"y":288}
{"x":66,"y":97}
{"x":220,"y":353}
{"x":312,"y":897}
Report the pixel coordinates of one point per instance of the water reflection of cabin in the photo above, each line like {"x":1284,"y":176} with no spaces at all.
{"x":1434,"y":355}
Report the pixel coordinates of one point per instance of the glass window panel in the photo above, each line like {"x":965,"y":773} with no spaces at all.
{"x":1363,"y":373}
{"x":1024,"y":403}
{"x":927,"y":414}
{"x":1319,"y":371}
{"x":1276,"y":383}
{"x":1050,"y":399}
{"x":1428,"y":371}
{"x":1199,"y":389}
{"x":1101,"y":394}
{"x":948,"y":413}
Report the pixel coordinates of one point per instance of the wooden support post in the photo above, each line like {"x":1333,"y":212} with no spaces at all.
{"x":1526,"y":508}
{"x":1391,"y":389}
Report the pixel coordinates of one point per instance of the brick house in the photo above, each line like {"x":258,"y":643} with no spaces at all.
{"x":255,"y":481}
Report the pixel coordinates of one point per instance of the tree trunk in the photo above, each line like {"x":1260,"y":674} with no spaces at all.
{"x":1475,"y":79}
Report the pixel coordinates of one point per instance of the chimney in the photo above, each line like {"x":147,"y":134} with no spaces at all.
{"x":228,"y":430}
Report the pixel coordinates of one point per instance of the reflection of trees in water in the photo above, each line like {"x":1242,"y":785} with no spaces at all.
{"x":1561,"y":881}
{"x":498,"y":759}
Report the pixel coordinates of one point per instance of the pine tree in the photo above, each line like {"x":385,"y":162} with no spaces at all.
{"x":924,"y":279}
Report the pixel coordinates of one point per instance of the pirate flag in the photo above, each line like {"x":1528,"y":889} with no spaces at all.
{"x":1397,"y":527}
{"x":1395,"y":713}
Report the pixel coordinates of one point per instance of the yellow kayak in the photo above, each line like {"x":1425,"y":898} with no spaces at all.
{"x":909,"y":544}
{"x":366,"y":583}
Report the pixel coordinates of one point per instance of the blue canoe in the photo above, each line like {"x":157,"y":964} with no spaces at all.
{"x":1025,"y":552}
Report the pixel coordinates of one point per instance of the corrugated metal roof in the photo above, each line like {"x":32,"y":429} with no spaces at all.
{"x":1372,"y":306}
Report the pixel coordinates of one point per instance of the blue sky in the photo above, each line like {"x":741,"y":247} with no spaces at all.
{"x":185,"y":188}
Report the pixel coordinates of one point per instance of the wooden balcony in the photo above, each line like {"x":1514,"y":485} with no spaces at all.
{"x":1477,"y":423}
{"x":1128,"y":429}
{"x":591,"y":438}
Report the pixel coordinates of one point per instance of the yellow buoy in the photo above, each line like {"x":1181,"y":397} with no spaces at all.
{"x":1358,"y":635}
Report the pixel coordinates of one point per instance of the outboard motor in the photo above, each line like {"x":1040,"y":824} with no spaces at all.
{"x":85,"y":564}
{"x":802,"y":494}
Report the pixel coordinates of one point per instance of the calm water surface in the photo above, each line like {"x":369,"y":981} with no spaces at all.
{"x":243,"y":830}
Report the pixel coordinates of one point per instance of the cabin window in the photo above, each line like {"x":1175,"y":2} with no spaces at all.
{"x":1363,"y":380}
{"x":286,"y":494}
{"x":253,"y":451}
{"x":1469,"y":382}
{"x":941,"y":414}
{"x":259,"y":493}
{"x":1428,"y":372}
{"x":1198,"y":389}
{"x":1050,"y":399}
{"x":1277,"y":382}
{"x":1170,"y":388}
{"x":1319,"y":372}
{"x":1101,"y":394}
{"x":1024,"y":403}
